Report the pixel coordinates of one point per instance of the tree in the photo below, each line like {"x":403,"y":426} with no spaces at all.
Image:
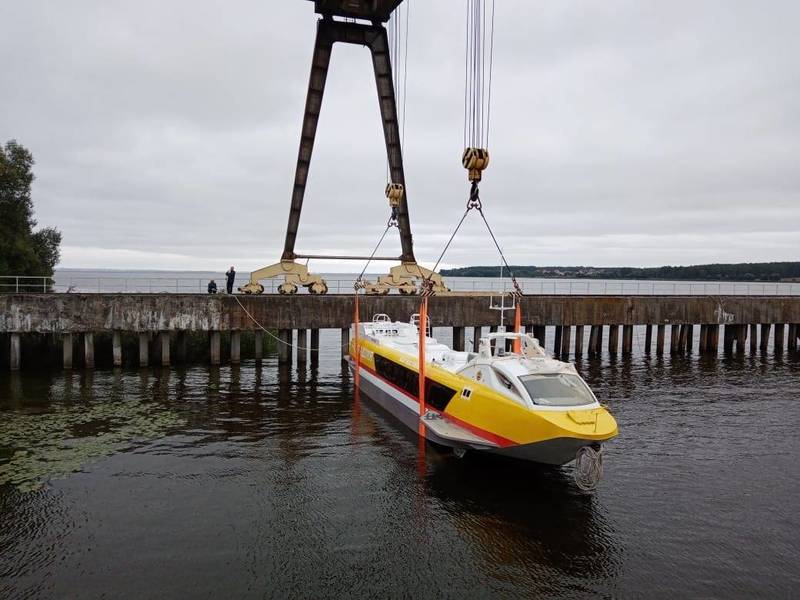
{"x":23,"y":251}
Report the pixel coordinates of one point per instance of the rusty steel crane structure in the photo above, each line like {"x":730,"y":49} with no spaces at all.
{"x":368,"y":31}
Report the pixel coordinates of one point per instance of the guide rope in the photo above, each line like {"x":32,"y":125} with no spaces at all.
{"x":268,"y":332}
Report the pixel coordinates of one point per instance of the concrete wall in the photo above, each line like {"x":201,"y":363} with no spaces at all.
{"x":53,"y":313}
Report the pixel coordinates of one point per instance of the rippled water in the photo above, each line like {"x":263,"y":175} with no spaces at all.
{"x":248,"y":482}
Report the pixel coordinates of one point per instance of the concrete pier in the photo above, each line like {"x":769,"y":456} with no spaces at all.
{"x":765,"y":327}
{"x":345,"y":342}
{"x":539,"y":332}
{"x":144,"y":350}
{"x":778,"y":343}
{"x":314,"y":347}
{"x":627,"y":339}
{"x":163,"y":339}
{"x":118,"y":315}
{"x":258,"y":345}
{"x":675,"y":339}
{"x":302,"y":346}
{"x":180,"y":347}
{"x":214,"y":349}
{"x":67,"y":350}
{"x":88,"y":350}
{"x":116,"y":348}
{"x":613,"y":339}
{"x":16,"y":352}
{"x":285,"y":346}
{"x":594,"y":336}
{"x":565,"y":340}
{"x":458,"y":339}
{"x":236,"y":347}
{"x":578,"y":340}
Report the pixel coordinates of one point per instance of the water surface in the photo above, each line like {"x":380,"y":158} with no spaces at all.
{"x":255,"y":483}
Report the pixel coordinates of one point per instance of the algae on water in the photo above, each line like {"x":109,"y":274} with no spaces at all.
{"x":37,"y":447}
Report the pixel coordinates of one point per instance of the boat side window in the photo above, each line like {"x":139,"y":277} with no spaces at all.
{"x":509,"y":385}
{"x":437,"y":395}
{"x":557,"y":389}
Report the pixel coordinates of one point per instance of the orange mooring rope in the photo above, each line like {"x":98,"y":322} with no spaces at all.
{"x":517,"y":327}
{"x":356,"y":345}
{"x":423,"y":327}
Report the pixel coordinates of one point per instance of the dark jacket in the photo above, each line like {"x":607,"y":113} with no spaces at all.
{"x":212,"y":287}
{"x":231,"y":275}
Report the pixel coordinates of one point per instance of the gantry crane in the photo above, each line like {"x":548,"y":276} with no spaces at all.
{"x":373,"y":35}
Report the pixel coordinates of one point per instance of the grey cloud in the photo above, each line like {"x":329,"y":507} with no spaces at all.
{"x":624,"y":133}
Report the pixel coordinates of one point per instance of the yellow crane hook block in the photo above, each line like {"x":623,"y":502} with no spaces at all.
{"x":394,"y":192}
{"x":475,"y":160}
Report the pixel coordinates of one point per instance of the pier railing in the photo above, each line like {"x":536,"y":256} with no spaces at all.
{"x":196,"y":285}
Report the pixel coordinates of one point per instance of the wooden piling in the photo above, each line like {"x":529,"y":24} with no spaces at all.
{"x":214,"y":347}
{"x":284,"y":346}
{"x":613,"y":339}
{"x":660,"y":339}
{"x":458,"y":339}
{"x":778,"y":344}
{"x":67,"y":349}
{"x":88,"y":350}
{"x":792,"y":337}
{"x":578,"y":341}
{"x":116,"y":348}
{"x":180,"y":346}
{"x":302,"y":346}
{"x":314,"y":349}
{"x":729,"y":336}
{"x":648,"y":338}
{"x":236,"y":347}
{"x":674,"y":339}
{"x":689,"y":337}
{"x":163,"y":338}
{"x":557,"y":341}
{"x":593,"y":340}
{"x":476,"y":337}
{"x":753,"y":338}
{"x":703,"y":344}
{"x":741,"y":338}
{"x":345,"y":342}
{"x":258,"y":345}
{"x":713,"y":339}
{"x":599,"y":339}
{"x":540,"y":332}
{"x":627,"y":339}
{"x":16,"y":352}
{"x":764,"y":336}
{"x":566,"y":333}
{"x":683,"y":336}
{"x":144,"y":350}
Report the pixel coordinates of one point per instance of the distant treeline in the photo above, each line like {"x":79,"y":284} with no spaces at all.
{"x":776,"y":271}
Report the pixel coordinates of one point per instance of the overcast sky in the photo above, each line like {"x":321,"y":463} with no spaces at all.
{"x":623,"y":132}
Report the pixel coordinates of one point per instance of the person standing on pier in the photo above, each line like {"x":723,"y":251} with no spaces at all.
{"x":231,"y":275}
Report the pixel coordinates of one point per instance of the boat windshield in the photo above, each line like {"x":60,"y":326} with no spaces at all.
{"x":558,"y":389}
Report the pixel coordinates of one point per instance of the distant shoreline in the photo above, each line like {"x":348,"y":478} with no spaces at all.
{"x":787,"y":272}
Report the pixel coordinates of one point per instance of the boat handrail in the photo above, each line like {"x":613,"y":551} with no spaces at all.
{"x":381,"y":318}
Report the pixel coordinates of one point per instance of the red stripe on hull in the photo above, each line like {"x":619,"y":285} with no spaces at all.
{"x":487,"y":435}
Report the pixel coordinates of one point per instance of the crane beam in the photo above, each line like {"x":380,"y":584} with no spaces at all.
{"x":374,"y":37}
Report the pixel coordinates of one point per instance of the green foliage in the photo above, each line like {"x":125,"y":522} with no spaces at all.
{"x":22,"y":251}
{"x":714,"y":272}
